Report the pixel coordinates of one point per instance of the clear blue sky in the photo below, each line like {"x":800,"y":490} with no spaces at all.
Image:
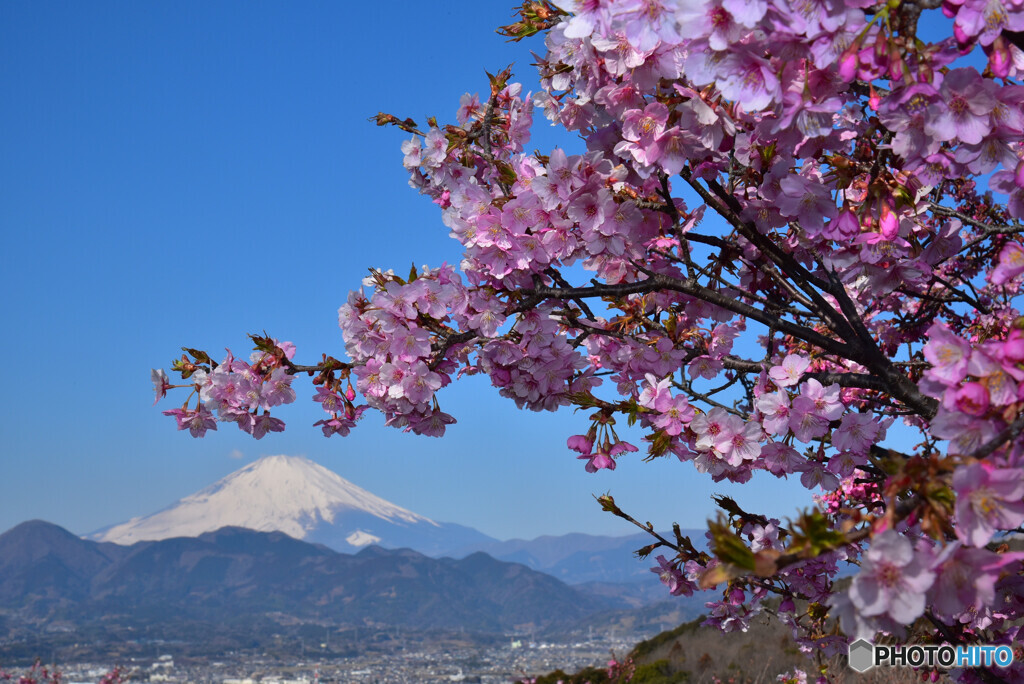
{"x":186,"y":173}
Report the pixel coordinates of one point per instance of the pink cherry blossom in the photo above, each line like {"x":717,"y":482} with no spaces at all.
{"x":964,"y":108}
{"x":328,"y":399}
{"x":673,"y":578}
{"x":962,"y":582}
{"x":197,"y":422}
{"x":857,"y":432}
{"x":711,"y":428}
{"x":893,"y":579}
{"x":739,"y":441}
{"x":1010,"y":265}
{"x":160,"y":384}
{"x":822,"y":401}
{"x":278,"y":388}
{"x":789,"y":372}
{"x":948,"y":355}
{"x":987,"y":500}
{"x":656,"y":394}
{"x":775,"y":411}
{"x":805,"y":422}
{"x":265,"y":423}
{"x":675,"y":416}
{"x":780,"y":459}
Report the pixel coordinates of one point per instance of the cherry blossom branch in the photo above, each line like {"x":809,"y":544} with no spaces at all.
{"x":663,"y":282}
{"x":729,"y":208}
{"x":849,"y":309}
{"x":858,"y":380}
{"x":487,"y":123}
{"x":742,"y":365}
{"x":988,"y":229}
{"x":1007,"y":434}
{"x":575,"y":322}
{"x":900,"y":386}
{"x":895,"y":383}
{"x":440,"y":350}
{"x":964,"y":297}
{"x":909,"y":12}
{"x":608,"y":504}
{"x":562,"y":282}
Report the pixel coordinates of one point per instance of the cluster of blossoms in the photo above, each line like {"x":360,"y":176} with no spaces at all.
{"x":853,"y":251}
{"x":235,"y":390}
{"x":858,"y":490}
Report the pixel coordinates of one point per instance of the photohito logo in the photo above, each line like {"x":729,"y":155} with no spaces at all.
{"x":864,"y":655}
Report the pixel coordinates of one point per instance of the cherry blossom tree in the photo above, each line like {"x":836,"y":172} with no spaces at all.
{"x":794,"y":223}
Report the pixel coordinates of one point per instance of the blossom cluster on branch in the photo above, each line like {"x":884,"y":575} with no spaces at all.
{"x":800,"y":223}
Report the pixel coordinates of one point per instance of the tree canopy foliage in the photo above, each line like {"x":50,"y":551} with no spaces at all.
{"x":794,"y":223}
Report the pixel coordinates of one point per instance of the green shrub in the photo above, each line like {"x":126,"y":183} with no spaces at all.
{"x":658,"y":672}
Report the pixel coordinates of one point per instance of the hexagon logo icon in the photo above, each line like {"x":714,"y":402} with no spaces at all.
{"x":862,"y":655}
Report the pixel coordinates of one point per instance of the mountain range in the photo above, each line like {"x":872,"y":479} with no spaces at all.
{"x":49,"y":575}
{"x":284,"y":545}
{"x":307,"y":501}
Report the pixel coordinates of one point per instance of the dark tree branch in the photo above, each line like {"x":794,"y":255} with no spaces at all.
{"x":1007,"y":434}
{"x":728,"y":206}
{"x":859,"y":380}
{"x":560,"y":281}
{"x":663,"y":282}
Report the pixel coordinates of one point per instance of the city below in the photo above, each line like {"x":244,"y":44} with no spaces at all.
{"x":448,"y":660}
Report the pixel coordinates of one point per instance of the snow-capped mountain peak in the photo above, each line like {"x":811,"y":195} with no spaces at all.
{"x":289,"y":494}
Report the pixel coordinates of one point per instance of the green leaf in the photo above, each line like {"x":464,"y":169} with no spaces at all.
{"x":506,"y":173}
{"x":815,"y":535}
{"x":660,"y":442}
{"x":199,"y":355}
{"x":729,"y":547}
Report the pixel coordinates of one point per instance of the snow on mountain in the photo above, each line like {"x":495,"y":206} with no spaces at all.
{"x":304,"y":500}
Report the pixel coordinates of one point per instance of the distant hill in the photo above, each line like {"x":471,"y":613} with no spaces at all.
{"x":47,"y":574}
{"x":584,"y":558}
{"x":692,"y":652}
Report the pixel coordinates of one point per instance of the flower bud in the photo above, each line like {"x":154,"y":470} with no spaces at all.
{"x":874,"y":100}
{"x":895,"y":63}
{"x":848,"y":62}
{"x":972,"y":399}
{"x":961,"y":37}
{"x":888,"y":224}
{"x":999,"y":58}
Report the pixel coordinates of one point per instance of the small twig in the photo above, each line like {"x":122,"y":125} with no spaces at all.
{"x":441,"y":349}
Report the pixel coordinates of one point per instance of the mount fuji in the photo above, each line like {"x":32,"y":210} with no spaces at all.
{"x":304,"y":500}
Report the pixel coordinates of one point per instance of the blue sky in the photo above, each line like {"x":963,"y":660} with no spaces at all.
{"x":184,"y":174}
